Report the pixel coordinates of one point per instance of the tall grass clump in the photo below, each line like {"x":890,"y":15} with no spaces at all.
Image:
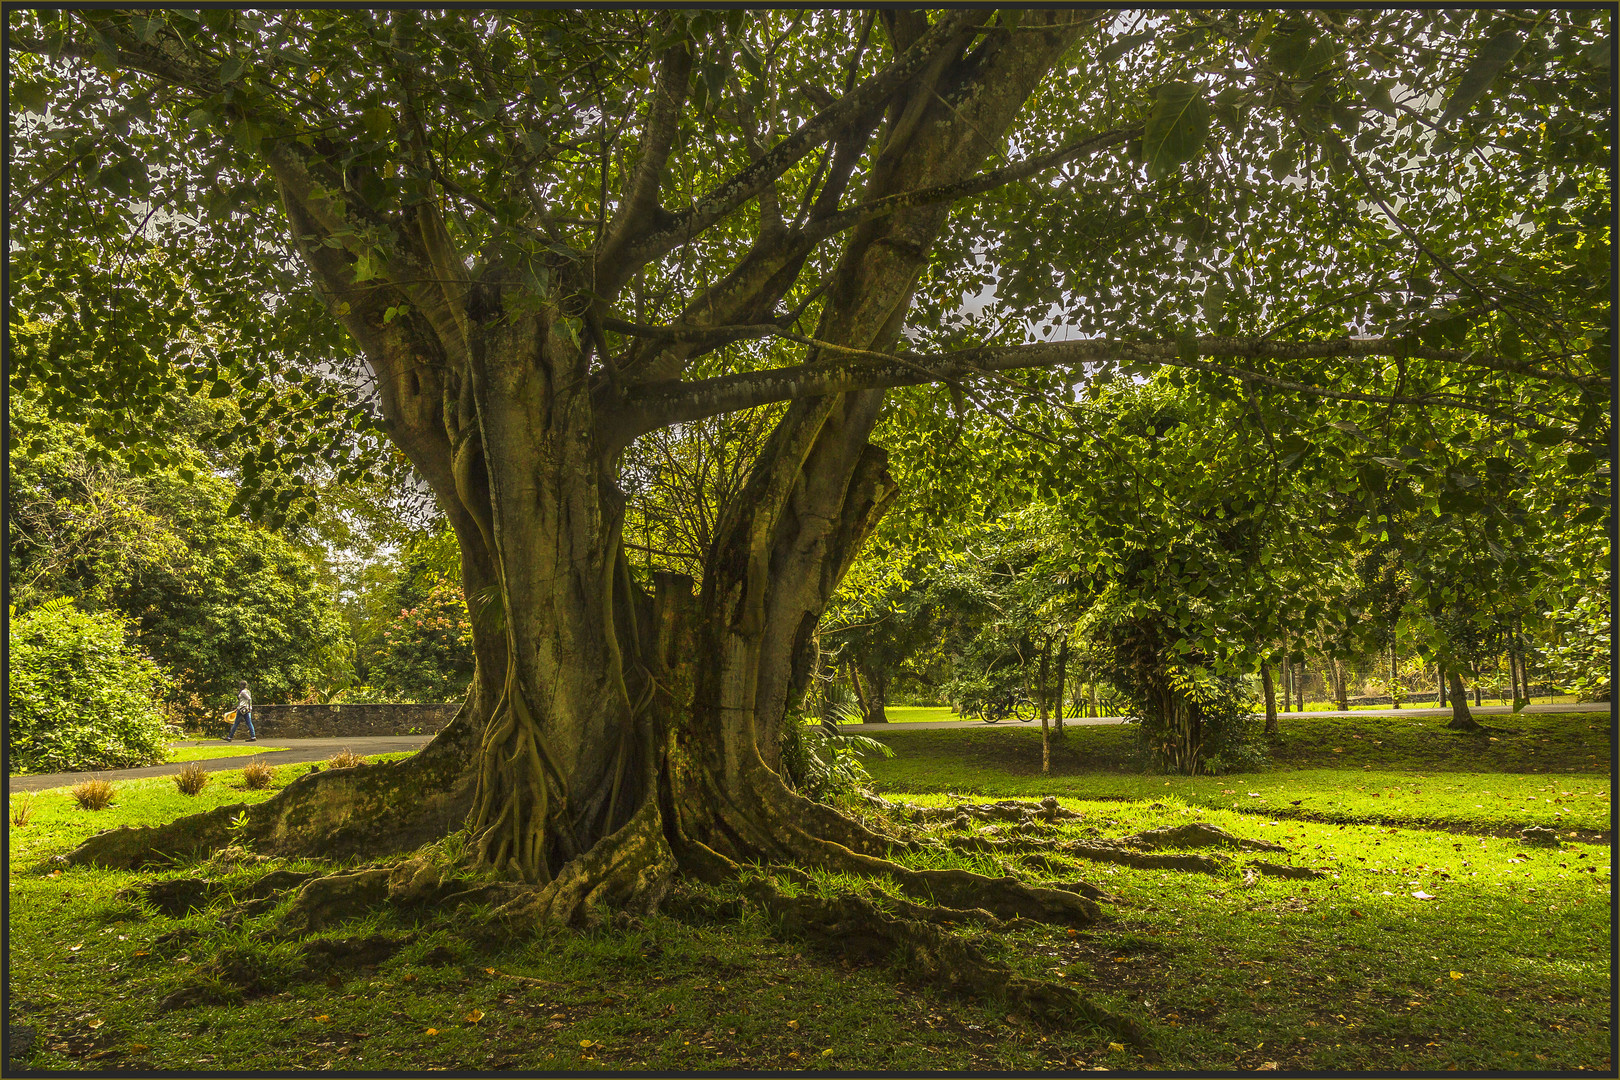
{"x":256,"y":775}
{"x":191,"y":778}
{"x":345,"y":759}
{"x":22,"y":809}
{"x":92,"y":794}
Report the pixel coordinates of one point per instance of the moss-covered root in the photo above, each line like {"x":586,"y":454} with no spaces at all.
{"x":1008,"y":810}
{"x":1099,"y":851}
{"x":856,"y":927}
{"x":629,"y":871}
{"x":368,"y":811}
{"x":1195,"y":835}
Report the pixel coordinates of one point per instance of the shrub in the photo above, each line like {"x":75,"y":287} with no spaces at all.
{"x":257,"y":775}
{"x":426,"y":652}
{"x":22,"y":809}
{"x":92,"y":794}
{"x":81,"y":698}
{"x":191,"y":778}
{"x":345,"y":759}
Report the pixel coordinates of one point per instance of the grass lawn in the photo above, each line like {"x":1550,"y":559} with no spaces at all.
{"x":1501,"y":964}
{"x":210,"y":751}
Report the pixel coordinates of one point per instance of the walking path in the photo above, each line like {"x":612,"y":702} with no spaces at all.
{"x":1282,"y":718}
{"x":303,"y":750}
{"x":297,"y":751}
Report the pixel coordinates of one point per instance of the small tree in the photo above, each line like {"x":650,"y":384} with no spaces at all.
{"x":81,"y":698}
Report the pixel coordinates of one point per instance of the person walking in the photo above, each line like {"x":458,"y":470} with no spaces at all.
{"x":244,"y":711}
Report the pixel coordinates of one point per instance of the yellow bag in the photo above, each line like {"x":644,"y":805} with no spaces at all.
{"x":230,"y":717}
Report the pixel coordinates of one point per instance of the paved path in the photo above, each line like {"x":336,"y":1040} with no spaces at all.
{"x":1282,"y":718}
{"x":297,"y":750}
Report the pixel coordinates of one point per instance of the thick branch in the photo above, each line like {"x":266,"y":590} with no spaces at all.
{"x":656,"y":404}
{"x":640,"y":209}
{"x":738,"y":189}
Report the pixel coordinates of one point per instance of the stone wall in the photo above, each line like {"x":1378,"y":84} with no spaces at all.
{"x":340,"y":721}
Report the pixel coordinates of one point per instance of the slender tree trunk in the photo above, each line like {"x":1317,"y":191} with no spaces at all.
{"x":1394,"y":670}
{"x":1440,"y":682}
{"x":1477,"y":692}
{"x":1339,"y":693}
{"x":1062,"y":675}
{"x":1046,"y":729}
{"x":1299,"y":689}
{"x":1091,"y":691}
{"x":853,"y":670}
{"x":877,"y":691}
{"x":1271,"y":697}
{"x":1461,"y":718}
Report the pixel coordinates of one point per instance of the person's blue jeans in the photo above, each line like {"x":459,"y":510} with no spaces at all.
{"x":242,"y":715}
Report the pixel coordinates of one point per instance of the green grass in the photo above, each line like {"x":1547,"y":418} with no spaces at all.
{"x":1229,"y":971}
{"x":217,"y":750}
{"x":1546,"y":769}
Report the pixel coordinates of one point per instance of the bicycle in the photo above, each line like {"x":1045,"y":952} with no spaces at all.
{"x":1021,"y":709}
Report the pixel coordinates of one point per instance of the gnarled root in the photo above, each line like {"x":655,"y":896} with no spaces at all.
{"x":1011,"y":810}
{"x":1197,"y":834}
{"x":334,"y":814}
{"x":630,"y":871}
{"x":856,"y":927}
{"x":1095,"y":851}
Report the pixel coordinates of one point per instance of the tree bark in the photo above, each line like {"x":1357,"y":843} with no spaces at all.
{"x":1271,"y":697}
{"x":1299,"y":689}
{"x":877,"y":687}
{"x":860,"y":691}
{"x":1040,"y":700}
{"x":1440,"y":682}
{"x":1461,"y":718}
{"x":1394,"y":698}
{"x":1339,"y":692}
{"x":1062,"y":673}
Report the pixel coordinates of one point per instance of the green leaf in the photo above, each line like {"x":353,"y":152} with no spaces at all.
{"x":1175,"y":129}
{"x":220,"y":389}
{"x":1482,"y":70}
{"x":377,"y":122}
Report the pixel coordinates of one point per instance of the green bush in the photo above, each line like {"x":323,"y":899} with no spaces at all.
{"x":81,"y":698}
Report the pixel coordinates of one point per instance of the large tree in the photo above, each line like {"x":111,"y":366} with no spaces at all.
{"x":548,"y":234}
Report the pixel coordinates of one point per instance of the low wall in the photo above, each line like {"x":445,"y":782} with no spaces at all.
{"x":338,"y":721}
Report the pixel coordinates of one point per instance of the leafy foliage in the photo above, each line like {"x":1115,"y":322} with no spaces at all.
{"x":426,"y":653}
{"x":80,"y":697}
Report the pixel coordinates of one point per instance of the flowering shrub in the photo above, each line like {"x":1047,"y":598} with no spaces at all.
{"x":427,"y":650}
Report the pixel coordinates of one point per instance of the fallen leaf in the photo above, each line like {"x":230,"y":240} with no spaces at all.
{"x":489,"y":971}
{"x":1421,"y":895}
{"x":407,"y":977}
{"x":323,"y":1018}
{"x":1456,"y":974}
{"x":1116,"y":1046}
{"x":827,"y":1052}
{"x":138,"y":1048}
{"x":793,"y":1025}
{"x":586,"y":1044}
{"x":432,"y":1031}
{"x":142,"y":952}
{"x":793,"y":1055}
{"x":1267,"y":1067}
{"x":475,"y":1016}
{"x":97,"y":1022}
{"x":76,"y":948}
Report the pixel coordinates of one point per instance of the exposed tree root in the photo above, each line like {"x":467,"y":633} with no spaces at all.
{"x":1279,"y":870}
{"x":1047,"y":810}
{"x":1197,"y":834}
{"x":856,"y":927}
{"x":1096,"y":851}
{"x":333,"y":814}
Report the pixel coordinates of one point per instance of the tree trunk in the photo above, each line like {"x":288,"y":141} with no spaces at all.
{"x":1040,"y":704}
{"x":1062,"y":673}
{"x":1339,"y":693}
{"x":1440,"y":681}
{"x":877,"y":693}
{"x":1299,"y":689}
{"x":1461,"y":718}
{"x":1394,"y":696}
{"x":1091,"y":691}
{"x":1271,"y":697}
{"x":853,"y":670}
